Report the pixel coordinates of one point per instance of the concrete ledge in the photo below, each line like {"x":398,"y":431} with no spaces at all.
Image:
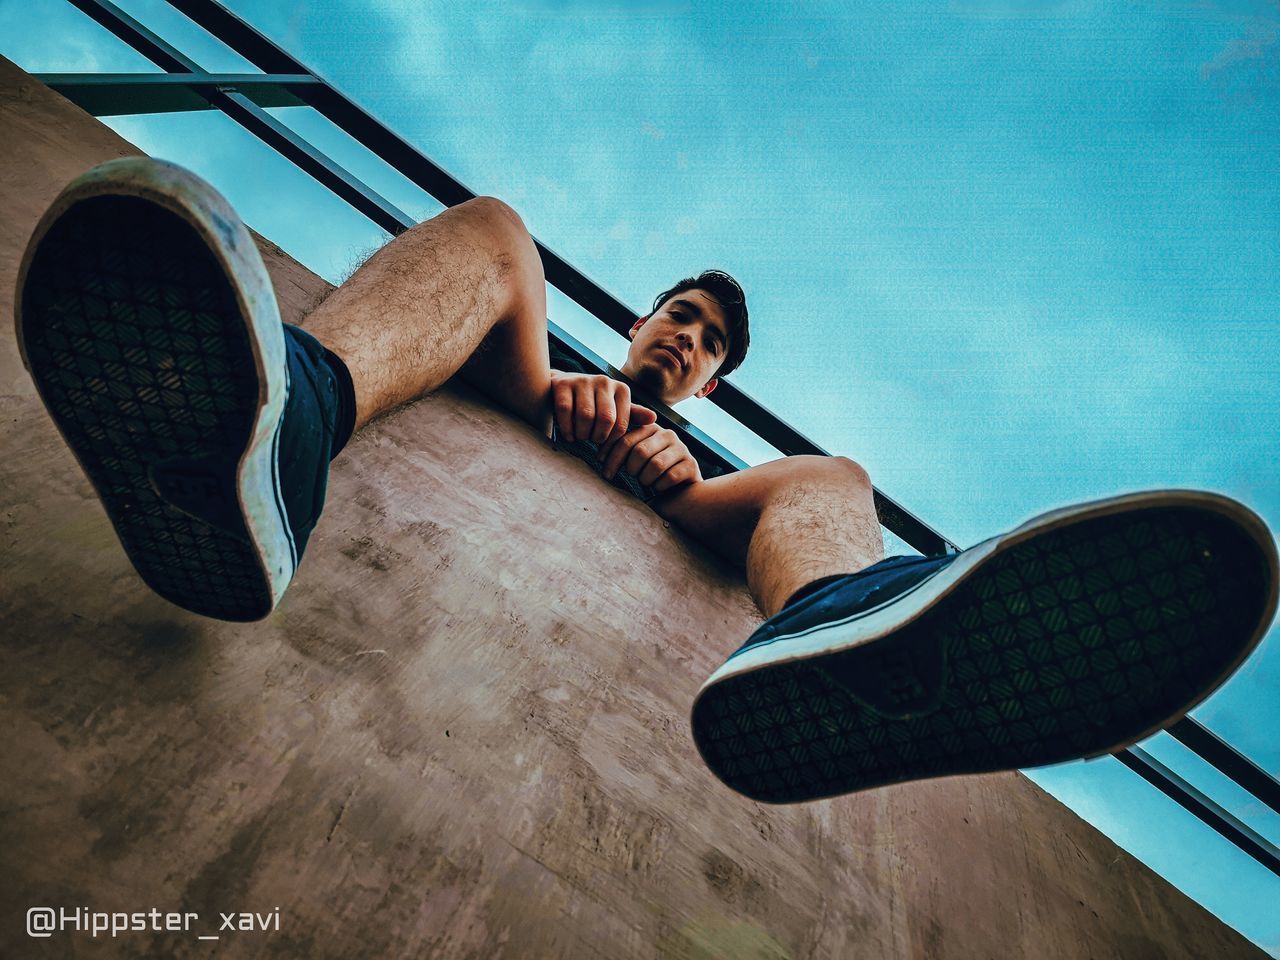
{"x":464,"y":732}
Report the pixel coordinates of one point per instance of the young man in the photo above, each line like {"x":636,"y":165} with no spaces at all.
{"x":148,"y":323}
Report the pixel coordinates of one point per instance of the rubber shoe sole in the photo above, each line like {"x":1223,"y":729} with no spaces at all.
{"x":147,"y":320}
{"x":1077,"y":634}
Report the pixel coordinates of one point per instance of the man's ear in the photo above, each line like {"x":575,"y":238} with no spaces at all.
{"x":635,"y":327}
{"x":707,"y":388}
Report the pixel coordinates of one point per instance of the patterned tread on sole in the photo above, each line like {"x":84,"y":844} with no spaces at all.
{"x":134,"y":338}
{"x":1065,"y":645}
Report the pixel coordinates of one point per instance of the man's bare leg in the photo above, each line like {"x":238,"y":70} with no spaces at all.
{"x":210,"y":448}
{"x":463,"y":289}
{"x":1070,"y":637}
{"x":788,"y":522}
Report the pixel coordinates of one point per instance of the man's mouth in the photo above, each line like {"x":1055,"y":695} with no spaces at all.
{"x":674,"y":355}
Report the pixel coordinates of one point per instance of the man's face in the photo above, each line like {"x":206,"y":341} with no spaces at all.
{"x":676,"y":351}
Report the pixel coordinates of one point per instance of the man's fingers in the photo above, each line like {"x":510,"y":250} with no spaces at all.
{"x":584,"y":412}
{"x":683,"y":472}
{"x":605,"y":408}
{"x":658,"y":464}
{"x":656,"y":457}
{"x":646,"y":450}
{"x":623,"y":408}
{"x":615,"y":453}
{"x":595,"y":407}
{"x":641,"y":416}
{"x":619,"y":428}
{"x":562,"y":404}
{"x":620,"y":450}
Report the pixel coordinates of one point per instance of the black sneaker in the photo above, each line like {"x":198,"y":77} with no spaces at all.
{"x":1077,"y":634}
{"x":149,"y":325}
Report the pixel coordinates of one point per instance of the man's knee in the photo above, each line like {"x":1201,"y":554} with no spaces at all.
{"x":796,"y":478}
{"x":834,"y":471}
{"x":500,"y":215}
{"x":850,"y":471}
{"x":502,"y":228}
{"x":509,"y":244}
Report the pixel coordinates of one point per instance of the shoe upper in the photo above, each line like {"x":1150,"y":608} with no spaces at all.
{"x":849,"y":595}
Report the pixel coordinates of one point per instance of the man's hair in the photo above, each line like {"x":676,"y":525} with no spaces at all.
{"x":733,"y":302}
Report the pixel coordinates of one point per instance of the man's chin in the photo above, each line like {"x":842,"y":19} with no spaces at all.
{"x":654,"y":381}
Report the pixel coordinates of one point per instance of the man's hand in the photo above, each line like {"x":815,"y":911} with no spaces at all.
{"x":594,"y":407}
{"x":655,"y":456}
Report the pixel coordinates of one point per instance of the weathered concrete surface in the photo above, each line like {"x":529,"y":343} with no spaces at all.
{"x":464,"y":732}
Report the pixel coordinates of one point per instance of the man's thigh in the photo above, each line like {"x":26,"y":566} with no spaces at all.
{"x":421,"y":307}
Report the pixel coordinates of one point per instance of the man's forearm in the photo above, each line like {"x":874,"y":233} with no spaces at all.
{"x":513,"y":368}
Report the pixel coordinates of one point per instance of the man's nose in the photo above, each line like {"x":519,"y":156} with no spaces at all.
{"x":685,"y":340}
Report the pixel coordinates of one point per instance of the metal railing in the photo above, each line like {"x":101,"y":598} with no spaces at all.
{"x":287,"y":82}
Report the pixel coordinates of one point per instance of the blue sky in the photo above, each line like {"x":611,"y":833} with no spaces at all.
{"x":1007,"y":254}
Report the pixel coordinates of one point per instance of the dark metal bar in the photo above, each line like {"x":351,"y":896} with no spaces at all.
{"x":1228,"y":761}
{"x":327,"y":171}
{"x":253,"y":118}
{"x":168,"y":57}
{"x":239,"y":35}
{"x":117,"y":94}
{"x":1191,"y":799}
{"x":245,"y":40}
